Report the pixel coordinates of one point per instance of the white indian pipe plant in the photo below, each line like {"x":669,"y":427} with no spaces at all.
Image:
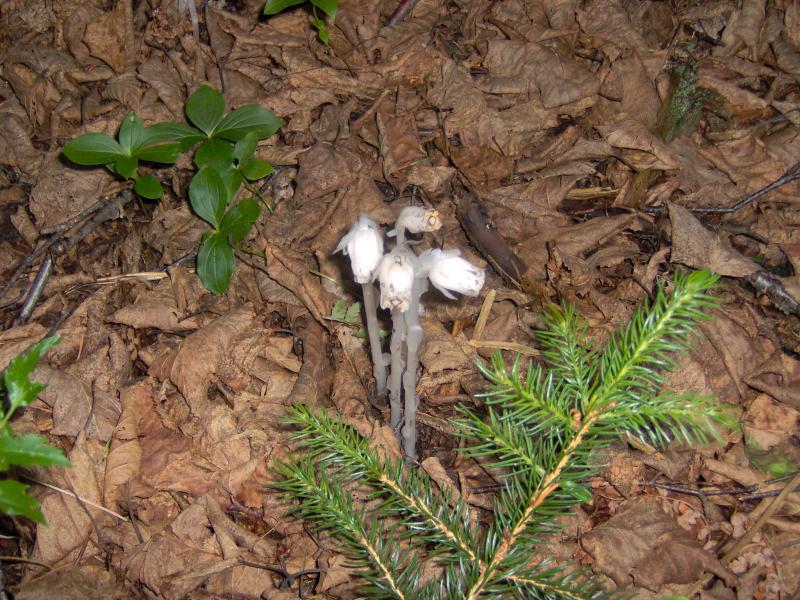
{"x":403,"y":278}
{"x":364,"y":245}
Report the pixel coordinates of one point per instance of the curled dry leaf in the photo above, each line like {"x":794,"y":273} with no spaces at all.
{"x":202,"y":353}
{"x":642,"y":545}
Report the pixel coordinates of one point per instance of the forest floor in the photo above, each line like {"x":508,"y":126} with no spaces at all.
{"x":569,"y":146}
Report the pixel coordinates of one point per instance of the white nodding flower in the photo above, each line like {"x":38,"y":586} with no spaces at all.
{"x":449,"y":272}
{"x":417,"y":219}
{"x":364,"y":244}
{"x":396,"y":276}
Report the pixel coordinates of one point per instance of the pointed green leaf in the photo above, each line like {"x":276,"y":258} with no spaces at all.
{"x":217,"y":154}
{"x":93,"y":149}
{"x":148,"y":187}
{"x":205,"y":108}
{"x":322,"y":33}
{"x":245,"y":147}
{"x":339,"y":310}
{"x":242,"y":121}
{"x":215,"y":262}
{"x":239,"y":220}
{"x":233,"y":181}
{"x":273,"y":7}
{"x":162,"y":153}
{"x":27,"y":450}
{"x":208,"y":196}
{"x":353,"y":314}
{"x":15,"y":500}
{"x":185,"y":135}
{"x":126,"y":167}
{"x":255,"y":168}
{"x":131,"y":133}
{"x":21,"y":390}
{"x":327,"y":6}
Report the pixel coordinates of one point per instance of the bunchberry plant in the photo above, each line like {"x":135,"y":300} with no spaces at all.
{"x":539,"y":434}
{"x":328,"y":7}
{"x":23,"y":450}
{"x":223,"y":155}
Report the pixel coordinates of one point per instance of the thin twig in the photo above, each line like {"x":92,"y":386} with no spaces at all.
{"x":74,"y":495}
{"x":36,"y":290}
{"x":792,"y":174}
{"x":23,"y":559}
{"x":129,"y":507}
{"x":773,"y":507}
{"x":400,"y":13}
{"x":288,"y":578}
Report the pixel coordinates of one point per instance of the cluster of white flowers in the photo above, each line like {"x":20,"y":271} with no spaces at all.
{"x":396,"y":271}
{"x":403,"y":277}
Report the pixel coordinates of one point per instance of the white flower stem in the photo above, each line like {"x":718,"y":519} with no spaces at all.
{"x":414,"y":335}
{"x":373,"y":329}
{"x":396,"y":373}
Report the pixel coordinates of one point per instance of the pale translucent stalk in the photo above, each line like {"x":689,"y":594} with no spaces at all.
{"x":396,"y":371}
{"x":373,"y":330}
{"x":414,"y":335}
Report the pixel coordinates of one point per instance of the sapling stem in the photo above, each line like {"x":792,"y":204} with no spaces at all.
{"x":396,"y":372}
{"x":373,"y":330}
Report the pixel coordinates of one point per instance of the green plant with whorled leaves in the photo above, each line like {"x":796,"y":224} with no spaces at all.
{"x":223,"y":145}
{"x":23,"y":450}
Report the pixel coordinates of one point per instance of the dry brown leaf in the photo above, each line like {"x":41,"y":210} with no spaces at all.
{"x":67,"y":525}
{"x":106,"y":37}
{"x":770,"y":426}
{"x":441,"y":351}
{"x":695,"y":246}
{"x":61,"y":192}
{"x":156,"y":308}
{"x":201,"y":354}
{"x":125,"y":454}
{"x":640,"y":147}
{"x":778,"y":376}
{"x":18,"y":339}
{"x":642,"y":545}
{"x":77,"y":406}
{"x":76,"y":582}
{"x":399,"y":145}
{"x":288,"y":268}
{"x":519,"y":67}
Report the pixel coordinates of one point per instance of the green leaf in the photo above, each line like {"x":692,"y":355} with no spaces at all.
{"x":245,"y":147}
{"x":273,"y":7}
{"x":353,"y":314}
{"x":131,"y":133}
{"x":240,"y":219}
{"x":205,"y":108}
{"x":126,"y":167}
{"x":346,"y":313}
{"x":327,"y":6}
{"x":217,"y":154}
{"x":185,"y":135}
{"x":215,"y":262}
{"x":209,"y":196}
{"x":15,"y":500}
{"x":148,"y":187}
{"x":93,"y":149}
{"x":162,"y":153}
{"x":233,"y":181}
{"x":242,"y":121}
{"x":322,"y":33}
{"x":21,"y":390}
{"x":27,"y":450}
{"x":255,"y":168}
